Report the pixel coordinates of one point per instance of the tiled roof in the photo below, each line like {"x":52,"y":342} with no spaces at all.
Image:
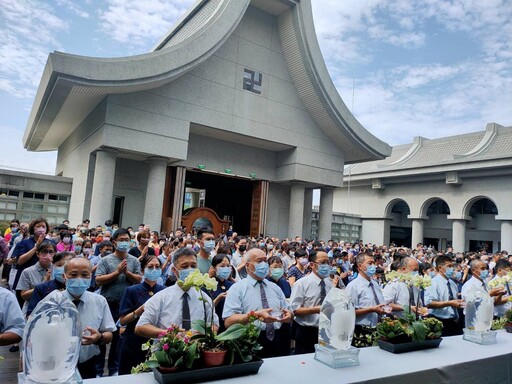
{"x":493,"y":143}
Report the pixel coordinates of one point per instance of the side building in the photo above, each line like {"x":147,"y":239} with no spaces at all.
{"x":453,"y":191}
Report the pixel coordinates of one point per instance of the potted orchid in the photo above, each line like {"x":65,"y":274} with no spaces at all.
{"x":410,"y":332}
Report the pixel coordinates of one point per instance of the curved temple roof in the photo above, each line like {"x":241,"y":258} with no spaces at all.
{"x":73,"y":85}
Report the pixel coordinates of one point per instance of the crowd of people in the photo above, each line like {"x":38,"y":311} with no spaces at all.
{"x":124,"y":285}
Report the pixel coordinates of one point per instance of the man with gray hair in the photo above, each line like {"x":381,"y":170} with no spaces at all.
{"x":480,"y":272}
{"x":400,"y":294}
{"x":263,"y":299}
{"x":175,"y":305}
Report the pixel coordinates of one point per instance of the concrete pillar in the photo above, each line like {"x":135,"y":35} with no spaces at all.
{"x":308,"y":213}
{"x":103,"y":187}
{"x":376,"y":231}
{"x":296,"y":216}
{"x":325,"y":217}
{"x":506,"y":236}
{"x":155,"y":192}
{"x":417,"y":232}
{"x":459,"y":235}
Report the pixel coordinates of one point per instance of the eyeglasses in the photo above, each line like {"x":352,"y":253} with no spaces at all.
{"x":47,"y":252}
{"x":153,"y":267}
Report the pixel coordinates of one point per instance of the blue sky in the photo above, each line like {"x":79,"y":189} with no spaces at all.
{"x":405,"y":68}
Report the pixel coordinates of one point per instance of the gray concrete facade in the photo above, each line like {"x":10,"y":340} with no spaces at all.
{"x":186,"y":104}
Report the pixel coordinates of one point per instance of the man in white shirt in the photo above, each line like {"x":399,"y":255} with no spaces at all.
{"x":173,"y":305}
{"x":306,"y":300}
{"x":502,"y":305}
{"x":480,"y":273}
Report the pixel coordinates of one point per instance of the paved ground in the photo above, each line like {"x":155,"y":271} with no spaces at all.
{"x":9,"y":366}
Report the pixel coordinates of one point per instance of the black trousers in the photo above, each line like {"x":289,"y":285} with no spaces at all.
{"x":305,"y":339}
{"x":87,"y":369}
{"x":452,"y":327}
{"x":279,"y":346}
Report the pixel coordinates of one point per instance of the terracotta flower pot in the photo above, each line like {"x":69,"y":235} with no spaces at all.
{"x":213,"y":358}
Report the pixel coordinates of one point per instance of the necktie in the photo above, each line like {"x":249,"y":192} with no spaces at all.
{"x":269,"y":327}
{"x":411,"y":297}
{"x":76,"y":302}
{"x":483,"y":285}
{"x":451,"y":297}
{"x":508,"y":289}
{"x":375,"y":297}
{"x":322,"y":291}
{"x":185,"y":312}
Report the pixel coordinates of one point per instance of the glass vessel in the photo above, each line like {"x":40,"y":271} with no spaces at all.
{"x":51,"y":342}
{"x":479,"y":314}
{"x":336,"y":329}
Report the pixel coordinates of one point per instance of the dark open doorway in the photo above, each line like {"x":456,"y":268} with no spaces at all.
{"x":229,"y":197}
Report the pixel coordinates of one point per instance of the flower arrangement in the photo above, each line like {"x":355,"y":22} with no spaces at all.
{"x":179,"y":349}
{"x":409,"y":329}
{"x":418,"y":281}
{"x":171,"y":349}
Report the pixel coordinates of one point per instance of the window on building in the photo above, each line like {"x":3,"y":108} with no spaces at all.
{"x":28,"y":195}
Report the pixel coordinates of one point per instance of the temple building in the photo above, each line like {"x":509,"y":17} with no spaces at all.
{"x":232,"y":119}
{"x":454,"y":191}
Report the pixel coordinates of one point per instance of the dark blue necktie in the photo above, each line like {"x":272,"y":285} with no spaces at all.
{"x":269,"y":327}
{"x":185,"y":312}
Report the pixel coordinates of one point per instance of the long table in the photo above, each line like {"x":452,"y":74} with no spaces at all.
{"x":455,"y":361}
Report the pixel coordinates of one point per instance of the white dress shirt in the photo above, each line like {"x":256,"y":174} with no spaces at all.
{"x":164,"y":308}
{"x":362,"y":296}
{"x":471,"y":285}
{"x":306,"y":293}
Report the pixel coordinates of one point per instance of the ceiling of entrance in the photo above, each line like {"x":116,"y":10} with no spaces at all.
{"x":233,"y":137}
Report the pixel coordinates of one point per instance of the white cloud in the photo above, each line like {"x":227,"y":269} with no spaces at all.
{"x":141,"y":21}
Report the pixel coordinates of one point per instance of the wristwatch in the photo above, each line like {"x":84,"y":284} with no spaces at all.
{"x":100,"y":340}
{"x":135,"y":316}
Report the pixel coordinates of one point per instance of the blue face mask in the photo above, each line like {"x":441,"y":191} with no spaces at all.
{"x":484,"y":274}
{"x":185,"y":272}
{"x":370,"y":270}
{"x":14,"y":230}
{"x":334,"y":270}
{"x":77,"y":286}
{"x":152,"y":274}
{"x":78,"y":248}
{"x":432,"y":274}
{"x":57,"y":273}
{"x":323,"y":270}
{"x":339,"y":262}
{"x":223,"y":272}
{"x":277,"y":273}
{"x":458,"y":275}
{"x":261,"y":269}
{"x":123,"y":246}
{"x":209,"y":246}
{"x":449,"y":272}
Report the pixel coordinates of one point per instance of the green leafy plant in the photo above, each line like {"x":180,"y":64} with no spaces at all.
{"x":498,"y":323}
{"x":508,"y":316}
{"x":413,"y":329}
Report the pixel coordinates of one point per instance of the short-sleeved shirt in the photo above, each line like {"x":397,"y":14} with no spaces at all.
{"x":136,"y":252}
{"x":94,"y":313}
{"x":32,"y":276}
{"x":296,"y":272}
{"x":306,"y":294}
{"x":438,"y":291}
{"x":11,"y":318}
{"x":165,"y":308}
{"x":245,"y":296}
{"x":362,"y":296}
{"x":204,"y":264}
{"x":114,"y":290}
{"x":134,"y":297}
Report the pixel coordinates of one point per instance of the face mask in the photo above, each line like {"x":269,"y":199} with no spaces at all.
{"x":303,"y":261}
{"x":449,"y":272}
{"x":189,"y":245}
{"x":57,"y":273}
{"x":414,"y":273}
{"x":276,"y":273}
{"x":106,"y":238}
{"x":40,"y":231}
{"x":242,"y":248}
{"x":223,"y":272}
{"x":458,"y":275}
{"x":339,"y":262}
{"x":262,"y":245}
{"x":87,"y":251}
{"x":78,"y":248}
{"x":185,"y":272}
{"x":432,"y":274}
{"x":209,"y":245}
{"x":323,"y":270}
{"x":270,"y":247}
{"x":261,"y":269}
{"x":152,"y":274}
{"x":14,"y":230}
{"x":291,"y":253}
{"x":66,"y":240}
{"x":334,"y":270}
{"x":370,"y":270}
{"x":77,"y":286}
{"x":123,"y":246}
{"x":484,"y":274}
